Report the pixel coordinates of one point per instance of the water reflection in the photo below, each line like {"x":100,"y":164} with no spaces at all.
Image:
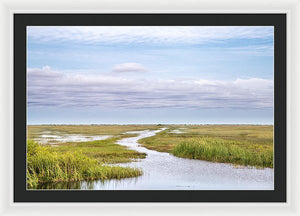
{"x":51,"y":139}
{"x":60,"y":185}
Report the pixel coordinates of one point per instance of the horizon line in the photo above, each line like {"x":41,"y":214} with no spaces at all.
{"x":154,"y":124}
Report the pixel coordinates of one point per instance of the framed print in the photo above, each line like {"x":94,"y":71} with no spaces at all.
{"x":150,"y":107}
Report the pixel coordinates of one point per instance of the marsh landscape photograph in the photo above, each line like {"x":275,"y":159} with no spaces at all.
{"x":150,"y":108}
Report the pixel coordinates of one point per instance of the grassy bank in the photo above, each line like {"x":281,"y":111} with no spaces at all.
{"x":34,"y":131}
{"x":74,"y":161}
{"x":238,"y":144}
{"x":218,"y":150}
{"x":105,"y":151}
{"x":47,"y":164}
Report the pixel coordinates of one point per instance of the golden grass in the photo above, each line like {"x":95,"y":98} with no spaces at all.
{"x":34,"y":131}
{"x":226,"y":151}
{"x":73,"y":161}
{"x":256,"y":140}
{"x":46,"y":165}
{"x":105,"y":151}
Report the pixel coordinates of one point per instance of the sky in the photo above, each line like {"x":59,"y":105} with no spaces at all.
{"x":150,"y":74}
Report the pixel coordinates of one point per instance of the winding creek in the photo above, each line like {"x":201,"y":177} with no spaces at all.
{"x":163,"y":171}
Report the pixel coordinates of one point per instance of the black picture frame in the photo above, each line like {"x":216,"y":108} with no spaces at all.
{"x":20,"y":126}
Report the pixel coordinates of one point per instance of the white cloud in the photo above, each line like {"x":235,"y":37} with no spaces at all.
{"x":147,"y":34}
{"x":129,"y":67}
{"x":254,"y":50}
{"x":53,"y":88}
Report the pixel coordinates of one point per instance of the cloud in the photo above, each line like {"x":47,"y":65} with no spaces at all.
{"x":129,"y":67}
{"x":147,"y":34}
{"x":48,"y":88}
{"x":45,"y":73}
{"x":254,"y":50}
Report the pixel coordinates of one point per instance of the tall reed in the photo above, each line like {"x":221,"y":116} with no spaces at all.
{"x":46,"y":165}
{"x":215,"y":149}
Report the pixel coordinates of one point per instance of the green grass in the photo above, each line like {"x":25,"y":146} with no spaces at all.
{"x":34,"y":131}
{"x":74,"y":161}
{"x":238,"y":144}
{"x":226,"y":151}
{"x":46,"y":165}
{"x":65,"y":162}
{"x":105,"y":151}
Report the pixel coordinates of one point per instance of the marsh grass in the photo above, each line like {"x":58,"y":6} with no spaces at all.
{"x":46,"y":165}
{"x":105,"y":151}
{"x":74,"y":161}
{"x":34,"y":131}
{"x":237,"y":144}
{"x":218,"y":150}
